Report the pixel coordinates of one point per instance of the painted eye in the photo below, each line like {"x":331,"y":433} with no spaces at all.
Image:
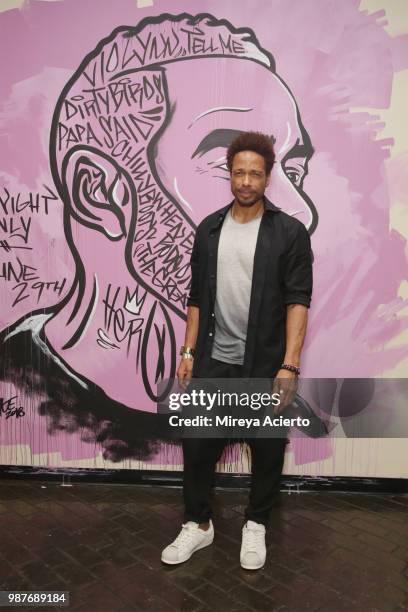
{"x":222,"y":166}
{"x":295,"y":176}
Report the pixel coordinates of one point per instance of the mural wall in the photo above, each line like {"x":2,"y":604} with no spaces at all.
{"x":114,"y":124}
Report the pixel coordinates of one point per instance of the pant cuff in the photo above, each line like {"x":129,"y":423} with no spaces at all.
{"x":263,"y":520}
{"x":195,"y":519}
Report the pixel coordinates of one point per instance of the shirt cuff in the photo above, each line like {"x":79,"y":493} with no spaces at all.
{"x":297,"y":298}
{"x":192,"y":302}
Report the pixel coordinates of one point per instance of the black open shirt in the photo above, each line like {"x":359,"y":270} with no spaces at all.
{"x":282,"y":275}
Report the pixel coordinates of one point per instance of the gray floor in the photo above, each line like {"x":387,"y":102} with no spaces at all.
{"x":326,"y":551}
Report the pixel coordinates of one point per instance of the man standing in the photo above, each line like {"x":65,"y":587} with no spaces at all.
{"x":251,"y":286}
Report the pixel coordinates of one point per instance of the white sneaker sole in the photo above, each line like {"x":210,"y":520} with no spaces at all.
{"x":186,"y":558}
{"x":252,"y":567}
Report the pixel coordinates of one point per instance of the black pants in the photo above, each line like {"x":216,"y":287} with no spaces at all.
{"x":202,"y":454}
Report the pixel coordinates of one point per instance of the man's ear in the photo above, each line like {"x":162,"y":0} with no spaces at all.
{"x":98,"y":192}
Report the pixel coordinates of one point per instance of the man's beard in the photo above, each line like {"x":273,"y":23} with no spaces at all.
{"x":249,"y":201}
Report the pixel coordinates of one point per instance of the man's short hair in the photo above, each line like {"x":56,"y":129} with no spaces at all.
{"x":253,"y":141}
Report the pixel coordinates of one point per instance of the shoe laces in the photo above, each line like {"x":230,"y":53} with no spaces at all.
{"x":186,"y":535}
{"x":253,"y":538}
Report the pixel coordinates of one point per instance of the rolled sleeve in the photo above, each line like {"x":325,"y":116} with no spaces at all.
{"x":193,"y":297}
{"x":298,"y":276}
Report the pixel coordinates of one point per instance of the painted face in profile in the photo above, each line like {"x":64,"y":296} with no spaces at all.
{"x":212,"y":102}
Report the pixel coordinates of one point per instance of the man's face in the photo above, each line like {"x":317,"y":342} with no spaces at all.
{"x":248,"y":178}
{"x":227,"y":97}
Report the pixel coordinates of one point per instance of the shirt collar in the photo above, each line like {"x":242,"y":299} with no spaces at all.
{"x":269,"y":207}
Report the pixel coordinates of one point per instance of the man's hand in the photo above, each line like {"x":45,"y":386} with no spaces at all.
{"x":286,"y":384}
{"x":185,"y":372}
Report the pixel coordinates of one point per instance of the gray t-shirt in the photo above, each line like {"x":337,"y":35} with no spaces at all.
{"x":235,"y":264}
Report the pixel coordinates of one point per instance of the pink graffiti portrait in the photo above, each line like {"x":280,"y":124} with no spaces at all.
{"x":137,"y":154}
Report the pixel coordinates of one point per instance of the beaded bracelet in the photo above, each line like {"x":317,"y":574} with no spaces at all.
{"x":291,"y":368}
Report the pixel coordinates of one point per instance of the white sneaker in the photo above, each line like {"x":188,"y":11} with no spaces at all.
{"x":253,"y":549}
{"x":190,"y":539}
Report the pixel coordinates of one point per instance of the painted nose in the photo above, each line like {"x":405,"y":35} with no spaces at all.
{"x":283,"y":193}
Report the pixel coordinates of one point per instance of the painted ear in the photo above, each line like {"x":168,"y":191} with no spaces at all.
{"x":98,"y":192}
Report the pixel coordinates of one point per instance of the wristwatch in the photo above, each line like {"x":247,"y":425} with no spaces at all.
{"x":187,"y":352}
